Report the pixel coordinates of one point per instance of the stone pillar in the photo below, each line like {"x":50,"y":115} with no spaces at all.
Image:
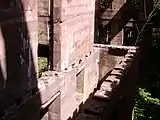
{"x":73,"y":31}
{"x":118,"y":6}
{"x":73,"y":41}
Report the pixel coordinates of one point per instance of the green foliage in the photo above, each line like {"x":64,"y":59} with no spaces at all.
{"x":156,"y":3}
{"x":42,"y":64}
{"x":145,"y":96}
{"x":133,"y":3}
{"x":103,"y":3}
{"x":156,"y":43}
{"x":146,"y":106}
{"x":147,"y":102}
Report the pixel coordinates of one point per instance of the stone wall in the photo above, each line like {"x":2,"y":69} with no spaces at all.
{"x":72,"y":95}
{"x":73,"y":52}
{"x":43,"y":20}
{"x":113,"y":19}
{"x":77,"y":64}
{"x":114,"y":91}
{"x":75,"y":61}
{"x":117,"y":39}
{"x":73,"y":31}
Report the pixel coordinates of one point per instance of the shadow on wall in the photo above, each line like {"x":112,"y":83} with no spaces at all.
{"x":100,"y":8}
{"x":86,"y":107}
{"x":120,"y":19}
{"x":18,"y":79}
{"x":115,"y":25}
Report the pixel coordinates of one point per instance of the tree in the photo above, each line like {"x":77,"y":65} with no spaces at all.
{"x":147,"y":102}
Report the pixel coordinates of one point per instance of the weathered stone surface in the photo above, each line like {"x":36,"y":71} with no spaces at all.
{"x":118,"y":38}
{"x":127,"y":59}
{"x":65,"y":10}
{"x":87,"y":117}
{"x":18,"y":46}
{"x":117,"y":72}
{"x":54,"y":110}
{"x":68,"y":94}
{"x":113,"y":78}
{"x":121,"y":66}
{"x":108,"y":14}
{"x":103,"y":94}
{"x":48,"y":87}
{"x":91,"y":74}
{"x":95,"y":107}
{"x":73,"y":40}
{"x":132,"y":51}
{"x":43,"y":30}
{"x":73,"y":44}
{"x":107,"y":62}
{"x":117,"y":4}
{"x":43,"y":7}
{"x":108,"y":86}
{"x":129,"y":55}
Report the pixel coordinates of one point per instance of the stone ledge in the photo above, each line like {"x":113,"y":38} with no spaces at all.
{"x":106,"y":88}
{"x":105,"y":97}
{"x":130,"y":48}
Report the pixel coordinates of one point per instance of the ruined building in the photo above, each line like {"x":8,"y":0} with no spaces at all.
{"x":84,"y":80}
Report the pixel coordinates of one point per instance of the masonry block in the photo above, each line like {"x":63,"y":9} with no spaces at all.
{"x":109,"y":14}
{"x":118,"y":38}
{"x":66,"y":9}
{"x":43,"y":30}
{"x":107,"y":62}
{"x":91,"y":74}
{"x":43,"y":7}
{"x":117,"y":4}
{"x":68,"y":94}
{"x":73,"y":40}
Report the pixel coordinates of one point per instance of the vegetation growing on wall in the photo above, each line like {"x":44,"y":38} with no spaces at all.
{"x":42,"y":65}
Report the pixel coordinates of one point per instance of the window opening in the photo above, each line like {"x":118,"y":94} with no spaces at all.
{"x":129,"y":36}
{"x":45,"y":35}
{"x":80,"y":86}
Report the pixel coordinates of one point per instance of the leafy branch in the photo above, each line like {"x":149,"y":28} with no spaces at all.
{"x":146,"y":22}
